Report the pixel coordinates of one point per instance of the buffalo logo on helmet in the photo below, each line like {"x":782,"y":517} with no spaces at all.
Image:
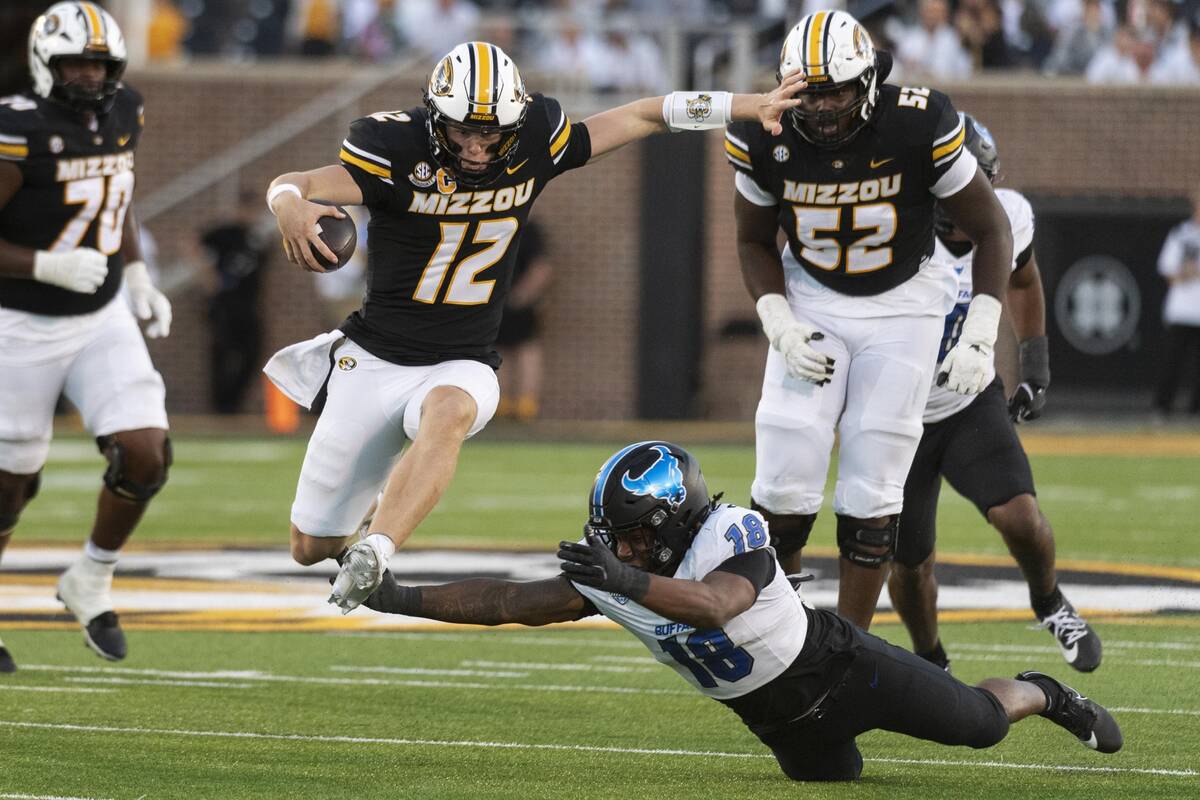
{"x":699,"y":108}
{"x":442,"y":82}
{"x":662,"y":480}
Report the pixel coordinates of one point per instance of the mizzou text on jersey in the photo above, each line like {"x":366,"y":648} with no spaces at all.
{"x":77,"y":184}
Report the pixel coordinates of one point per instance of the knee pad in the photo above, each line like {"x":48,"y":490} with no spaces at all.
{"x":867,"y":547}
{"x":789,"y":532}
{"x":119,"y":483}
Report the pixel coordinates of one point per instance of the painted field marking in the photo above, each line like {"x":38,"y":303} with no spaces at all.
{"x":136,"y":682}
{"x":10,"y":796}
{"x":562,"y":667}
{"x":449,"y":673}
{"x":1181,"y":712}
{"x":1138,"y":662}
{"x":584,"y":748}
{"x":76,"y":689}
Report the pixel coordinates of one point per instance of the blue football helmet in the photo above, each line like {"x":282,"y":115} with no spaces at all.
{"x":653,"y":485}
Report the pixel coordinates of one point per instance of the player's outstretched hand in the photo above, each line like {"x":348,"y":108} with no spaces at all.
{"x":80,"y":270}
{"x":967,"y":368}
{"x":148,"y":303}
{"x":297,"y":220}
{"x":792,"y":338}
{"x":593,"y":564}
{"x":1027,"y":403}
{"x":777,"y":101}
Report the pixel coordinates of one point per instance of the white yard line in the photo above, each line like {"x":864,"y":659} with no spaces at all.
{"x":136,"y":682}
{"x":10,"y":796}
{"x":587,"y":748}
{"x":1139,"y":662}
{"x":78,"y":690}
{"x":449,"y":673}
{"x":562,"y":667}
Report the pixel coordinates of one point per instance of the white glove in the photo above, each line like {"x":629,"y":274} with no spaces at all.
{"x":81,"y":270}
{"x":147,"y":302}
{"x":967,"y":368}
{"x":791,"y":338}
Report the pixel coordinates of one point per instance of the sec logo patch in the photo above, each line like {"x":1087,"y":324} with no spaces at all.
{"x":781,"y":153}
{"x":347,"y":363}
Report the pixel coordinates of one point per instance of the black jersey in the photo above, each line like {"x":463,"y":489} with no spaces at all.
{"x":77,"y":183}
{"x":440,"y":259}
{"x":859,"y":218}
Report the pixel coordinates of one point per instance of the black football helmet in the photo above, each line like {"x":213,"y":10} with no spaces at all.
{"x":653,"y":485}
{"x":979,"y":142}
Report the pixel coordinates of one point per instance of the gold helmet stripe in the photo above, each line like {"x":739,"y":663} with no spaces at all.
{"x":95,"y":24}
{"x":484,"y":70}
{"x":814,"y":62}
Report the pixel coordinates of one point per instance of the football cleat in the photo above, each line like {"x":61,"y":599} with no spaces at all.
{"x":86,"y":590}
{"x":1088,"y":721}
{"x":7,"y":664}
{"x":361,"y":573}
{"x":1079,"y":644}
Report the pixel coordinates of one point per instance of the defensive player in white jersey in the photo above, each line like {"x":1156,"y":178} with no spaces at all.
{"x":68,"y":240}
{"x":971,"y":442}
{"x":450,"y":185}
{"x":853,"y":306}
{"x":698,"y":583}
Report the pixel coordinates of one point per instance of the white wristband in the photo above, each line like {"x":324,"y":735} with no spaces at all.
{"x":697,"y":111}
{"x":275,"y":191}
{"x":983,"y":320}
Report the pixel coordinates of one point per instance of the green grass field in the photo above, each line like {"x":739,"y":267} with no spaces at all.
{"x":558,"y":713}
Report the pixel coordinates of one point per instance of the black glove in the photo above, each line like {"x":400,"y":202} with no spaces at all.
{"x":392,"y":597}
{"x":593,"y":564}
{"x":1030,"y":398}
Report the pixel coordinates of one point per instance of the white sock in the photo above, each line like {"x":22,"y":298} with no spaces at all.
{"x":99,"y":554}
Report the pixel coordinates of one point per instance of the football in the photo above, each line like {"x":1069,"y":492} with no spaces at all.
{"x":340,"y":236}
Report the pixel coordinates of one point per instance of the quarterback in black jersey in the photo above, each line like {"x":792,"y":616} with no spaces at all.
{"x":853,"y":307}
{"x":68,"y":240}
{"x":970,"y":441}
{"x":449,"y":185}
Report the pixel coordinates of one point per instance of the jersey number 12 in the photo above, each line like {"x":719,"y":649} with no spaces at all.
{"x":464,"y":290}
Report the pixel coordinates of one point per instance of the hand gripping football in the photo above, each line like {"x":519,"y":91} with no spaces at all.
{"x":340,"y":236}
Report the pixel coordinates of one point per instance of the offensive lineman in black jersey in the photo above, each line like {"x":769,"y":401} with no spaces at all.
{"x":67,"y":239}
{"x":854,"y":308}
{"x":449,"y":186}
{"x":971,"y":441}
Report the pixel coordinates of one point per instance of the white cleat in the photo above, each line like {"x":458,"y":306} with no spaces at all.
{"x":361,"y":573}
{"x":86,"y":590}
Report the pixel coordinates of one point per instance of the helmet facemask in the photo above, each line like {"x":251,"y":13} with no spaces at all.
{"x":809,"y":123}
{"x":79,"y":97}
{"x":447,"y":153}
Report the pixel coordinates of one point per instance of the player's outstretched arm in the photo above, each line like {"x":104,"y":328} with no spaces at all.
{"x":977,"y":212}
{"x":697,"y":111}
{"x":709,"y":603}
{"x":1027,"y":301}
{"x":290,"y":199}
{"x":482,"y":601}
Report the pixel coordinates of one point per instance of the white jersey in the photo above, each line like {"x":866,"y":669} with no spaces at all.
{"x":753,"y":648}
{"x":943,"y":402}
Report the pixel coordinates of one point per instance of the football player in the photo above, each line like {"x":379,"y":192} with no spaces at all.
{"x":853,"y":307}
{"x":68,"y":241}
{"x":698,"y":583}
{"x":449,"y":185}
{"x":971,"y":441}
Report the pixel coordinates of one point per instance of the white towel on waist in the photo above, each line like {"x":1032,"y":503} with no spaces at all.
{"x":300,"y":370}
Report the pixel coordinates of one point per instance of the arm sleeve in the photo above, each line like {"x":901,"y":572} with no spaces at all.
{"x":1171,"y":256}
{"x":953,"y":164}
{"x":570,"y":143}
{"x":365,"y":157}
{"x":756,"y":566}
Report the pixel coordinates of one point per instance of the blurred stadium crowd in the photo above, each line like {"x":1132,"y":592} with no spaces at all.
{"x":618,"y":45}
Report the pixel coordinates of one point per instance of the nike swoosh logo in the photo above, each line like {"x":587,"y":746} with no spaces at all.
{"x":880,"y":162}
{"x":513,"y":170}
{"x":1070,"y":653}
{"x":1091,"y":741}
{"x":123,"y":140}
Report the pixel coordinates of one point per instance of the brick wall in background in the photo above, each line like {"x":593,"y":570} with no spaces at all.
{"x":1054,"y":139}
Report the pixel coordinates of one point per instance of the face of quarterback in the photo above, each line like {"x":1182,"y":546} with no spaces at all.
{"x":86,"y":73}
{"x":830,"y":101}
{"x":477,"y":150}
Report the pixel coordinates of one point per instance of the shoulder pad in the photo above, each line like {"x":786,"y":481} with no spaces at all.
{"x":19,"y":117}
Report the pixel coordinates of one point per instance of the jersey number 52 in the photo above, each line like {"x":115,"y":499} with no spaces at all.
{"x":866,"y":253}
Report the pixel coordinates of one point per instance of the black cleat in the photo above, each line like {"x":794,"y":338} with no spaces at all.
{"x":7,"y":665}
{"x":1079,"y":644}
{"x":104,"y":635}
{"x":1088,"y":721}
